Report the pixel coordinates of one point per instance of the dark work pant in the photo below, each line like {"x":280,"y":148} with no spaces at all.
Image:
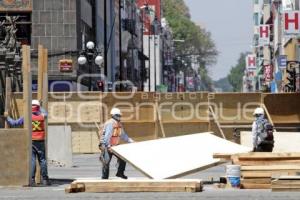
{"x":264,"y":148}
{"x":38,"y":151}
{"x":105,"y":167}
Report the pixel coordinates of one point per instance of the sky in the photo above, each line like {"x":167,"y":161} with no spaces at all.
{"x":231,"y":26}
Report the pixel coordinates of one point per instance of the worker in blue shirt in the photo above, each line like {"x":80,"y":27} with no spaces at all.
{"x":38,"y":140}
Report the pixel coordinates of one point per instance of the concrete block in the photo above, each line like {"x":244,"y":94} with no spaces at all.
{"x":38,"y":4}
{"x":61,"y":43}
{"x":70,"y":43}
{"x":35,"y":17}
{"x":57,"y":30}
{"x":48,"y":30}
{"x":70,"y":17}
{"x":73,"y":5}
{"x":66,"y":4}
{"x":34,"y":42}
{"x":45,"y":17}
{"x":67,"y":30}
{"x":38,"y":30}
{"x":60,"y":17}
{"x":73,"y":30}
{"x":58,"y":4}
{"x":60,"y":145}
{"x":46,"y":42}
{"x":54,"y":43}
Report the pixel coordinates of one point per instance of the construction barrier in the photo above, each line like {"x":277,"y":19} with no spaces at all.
{"x":155,"y":115}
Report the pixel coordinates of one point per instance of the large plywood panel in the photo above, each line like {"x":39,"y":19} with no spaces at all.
{"x":15,"y":155}
{"x":283,"y":108}
{"x":183,"y":106}
{"x":284,"y":141}
{"x":183,"y":128}
{"x":234,"y":107}
{"x":176,"y":156}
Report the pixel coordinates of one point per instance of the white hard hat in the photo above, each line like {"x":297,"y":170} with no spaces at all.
{"x":115,"y":111}
{"x":259,"y":111}
{"x":35,"y":102}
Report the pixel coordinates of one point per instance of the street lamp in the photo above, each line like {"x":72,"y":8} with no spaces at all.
{"x":90,"y":56}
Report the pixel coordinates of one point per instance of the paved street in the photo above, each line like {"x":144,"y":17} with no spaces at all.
{"x":88,"y":166}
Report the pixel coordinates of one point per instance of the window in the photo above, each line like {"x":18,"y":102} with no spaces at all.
{"x":256,"y":19}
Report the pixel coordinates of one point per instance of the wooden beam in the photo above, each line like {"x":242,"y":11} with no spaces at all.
{"x":7,"y":97}
{"x":270,"y":167}
{"x":216,"y":121}
{"x":267,"y":156}
{"x":27,"y":96}
{"x":40,"y":72}
{"x":159,"y":120}
{"x":136,"y":185}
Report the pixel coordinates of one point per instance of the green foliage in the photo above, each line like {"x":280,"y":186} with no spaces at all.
{"x":224,"y":84}
{"x":198,"y":41}
{"x":235,"y":76}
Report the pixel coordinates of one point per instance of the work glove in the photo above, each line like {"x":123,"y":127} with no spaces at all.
{"x":5,"y":114}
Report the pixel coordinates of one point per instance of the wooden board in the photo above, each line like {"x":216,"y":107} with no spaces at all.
{"x":255,"y":186}
{"x":284,"y":141}
{"x":135,"y":185}
{"x":270,"y":168}
{"x":15,"y":156}
{"x":268,"y":156}
{"x":176,"y":156}
{"x":286,"y":183}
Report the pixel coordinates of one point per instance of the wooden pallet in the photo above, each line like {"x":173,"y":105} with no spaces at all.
{"x":135,"y":185}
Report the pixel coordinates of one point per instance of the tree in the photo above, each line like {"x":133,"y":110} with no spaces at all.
{"x":236,"y":74}
{"x":197,"y":41}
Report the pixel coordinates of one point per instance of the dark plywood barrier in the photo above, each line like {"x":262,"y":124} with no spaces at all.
{"x":235,"y":108}
{"x":284,"y":108}
{"x":15,"y":157}
{"x":182,"y":113}
{"x":233,"y":111}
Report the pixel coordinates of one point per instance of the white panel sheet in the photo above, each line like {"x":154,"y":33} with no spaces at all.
{"x":284,"y":141}
{"x":176,"y":156}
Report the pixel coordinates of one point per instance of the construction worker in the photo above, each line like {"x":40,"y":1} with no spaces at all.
{"x":111,"y":134}
{"x":262,"y":132}
{"x":38,"y":140}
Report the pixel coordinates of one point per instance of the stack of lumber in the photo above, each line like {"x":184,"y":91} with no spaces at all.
{"x":258,"y":169}
{"x":286,"y":183}
{"x":135,"y":185}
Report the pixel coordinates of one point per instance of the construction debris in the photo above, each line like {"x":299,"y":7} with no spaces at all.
{"x":135,"y":185}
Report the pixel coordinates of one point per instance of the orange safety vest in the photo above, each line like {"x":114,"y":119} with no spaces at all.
{"x":38,"y":127}
{"x":117,"y":131}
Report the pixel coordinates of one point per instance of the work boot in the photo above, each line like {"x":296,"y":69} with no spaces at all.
{"x":121,"y":175}
{"x":46,"y":182}
{"x":32,"y":183}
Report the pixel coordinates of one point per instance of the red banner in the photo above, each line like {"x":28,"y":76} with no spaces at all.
{"x":268,"y":72}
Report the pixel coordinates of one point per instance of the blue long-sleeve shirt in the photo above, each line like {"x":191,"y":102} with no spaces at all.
{"x":108,"y":130}
{"x":19,"y":122}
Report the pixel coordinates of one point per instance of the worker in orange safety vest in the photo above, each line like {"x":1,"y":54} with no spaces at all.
{"x":111,"y":134}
